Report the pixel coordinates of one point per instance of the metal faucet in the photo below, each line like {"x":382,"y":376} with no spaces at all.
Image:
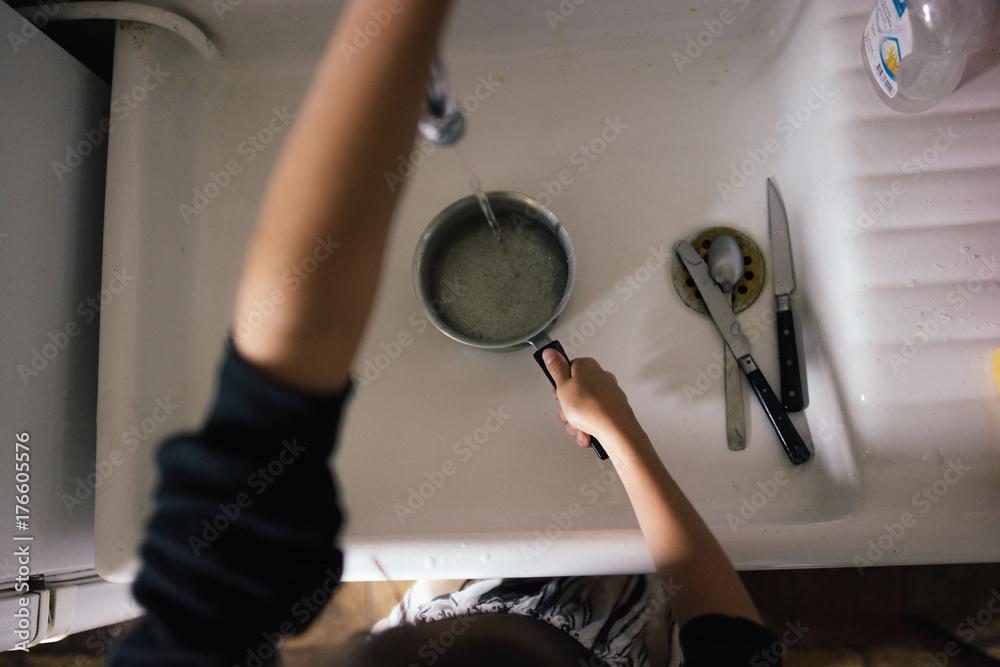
{"x":442,"y":122}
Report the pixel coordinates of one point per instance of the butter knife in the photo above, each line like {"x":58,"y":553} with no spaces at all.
{"x":784,"y":285}
{"x":722,"y":314}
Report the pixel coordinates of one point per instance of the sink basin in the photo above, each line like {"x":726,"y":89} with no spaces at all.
{"x":637,"y":124}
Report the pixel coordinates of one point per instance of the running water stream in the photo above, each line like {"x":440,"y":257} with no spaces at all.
{"x":484,"y":202}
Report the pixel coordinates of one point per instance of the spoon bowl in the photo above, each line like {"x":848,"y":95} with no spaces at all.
{"x":725,"y":262}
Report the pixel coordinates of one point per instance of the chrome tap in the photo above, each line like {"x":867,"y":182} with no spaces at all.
{"x":442,"y":122}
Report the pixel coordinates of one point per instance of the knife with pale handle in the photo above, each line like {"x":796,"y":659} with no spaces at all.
{"x":722,"y":314}
{"x":784,"y":285}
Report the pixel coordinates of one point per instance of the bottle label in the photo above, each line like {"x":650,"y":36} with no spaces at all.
{"x":888,"y":38}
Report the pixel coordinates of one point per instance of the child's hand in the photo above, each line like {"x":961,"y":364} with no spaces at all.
{"x":591,"y":401}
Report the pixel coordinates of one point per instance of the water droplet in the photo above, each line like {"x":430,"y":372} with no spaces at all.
{"x":964,"y":249}
{"x":859,"y":312}
{"x":429,"y":562}
{"x":943,"y":317}
{"x":485,"y":558}
{"x":939,"y":267}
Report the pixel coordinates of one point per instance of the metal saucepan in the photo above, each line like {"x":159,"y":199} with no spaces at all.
{"x":441,"y":233}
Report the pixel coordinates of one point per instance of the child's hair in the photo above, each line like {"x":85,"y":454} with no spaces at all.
{"x":490,"y":640}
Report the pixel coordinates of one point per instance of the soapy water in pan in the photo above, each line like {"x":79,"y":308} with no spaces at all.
{"x":499,"y":291}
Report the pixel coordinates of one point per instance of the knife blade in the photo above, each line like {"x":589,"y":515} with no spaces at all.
{"x":784,"y":284}
{"x":725,"y":320}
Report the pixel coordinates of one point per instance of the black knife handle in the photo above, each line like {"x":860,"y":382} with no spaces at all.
{"x":788,"y":356}
{"x":790,"y":439}
{"x":555,"y":345}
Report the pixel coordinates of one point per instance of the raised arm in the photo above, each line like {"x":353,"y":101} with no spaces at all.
{"x":327,"y":198}
{"x":682,"y":546}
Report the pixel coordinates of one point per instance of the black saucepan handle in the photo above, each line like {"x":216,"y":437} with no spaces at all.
{"x":601,"y":454}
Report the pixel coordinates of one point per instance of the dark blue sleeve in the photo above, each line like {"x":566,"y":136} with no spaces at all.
{"x":715,"y":640}
{"x":241,"y":543}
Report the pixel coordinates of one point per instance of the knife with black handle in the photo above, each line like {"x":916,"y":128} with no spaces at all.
{"x":784,"y":284}
{"x":722,"y":314}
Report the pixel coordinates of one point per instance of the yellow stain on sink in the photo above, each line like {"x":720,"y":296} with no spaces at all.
{"x":996,"y":367}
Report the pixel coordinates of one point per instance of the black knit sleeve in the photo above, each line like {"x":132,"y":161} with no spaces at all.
{"x":241,"y":544}
{"x":715,"y":640}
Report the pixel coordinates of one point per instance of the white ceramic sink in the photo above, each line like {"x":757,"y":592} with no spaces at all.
{"x":451,"y":461}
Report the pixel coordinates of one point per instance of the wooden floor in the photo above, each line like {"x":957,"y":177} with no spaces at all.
{"x":356,"y":608}
{"x":883,"y":617}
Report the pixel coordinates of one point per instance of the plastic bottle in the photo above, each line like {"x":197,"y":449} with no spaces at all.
{"x":914,"y":51}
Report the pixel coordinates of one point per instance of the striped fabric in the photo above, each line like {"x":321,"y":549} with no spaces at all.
{"x":624,"y":620}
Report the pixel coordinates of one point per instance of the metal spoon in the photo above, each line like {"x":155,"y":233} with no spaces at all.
{"x":725,"y":263}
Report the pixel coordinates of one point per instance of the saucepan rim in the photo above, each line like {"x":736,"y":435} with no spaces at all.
{"x":458,"y":213}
